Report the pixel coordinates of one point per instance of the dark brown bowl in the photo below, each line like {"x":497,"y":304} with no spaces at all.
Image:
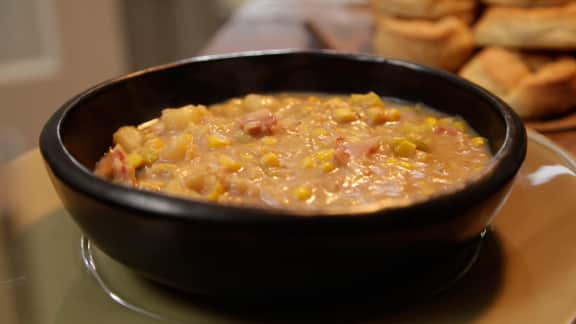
{"x":220,"y":250}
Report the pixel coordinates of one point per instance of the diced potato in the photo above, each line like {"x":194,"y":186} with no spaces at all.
{"x":175,"y":187}
{"x":270,"y":160}
{"x":366,"y":100}
{"x":180,"y":118}
{"x":336,"y":102}
{"x":195,"y":182}
{"x":253,"y":102}
{"x":302,"y":193}
{"x":229,"y":164}
{"x":129,"y":137}
{"x":344,"y":115}
{"x":404,"y":148}
{"x":218,"y":141}
{"x":176,"y":147}
{"x":379,"y":115}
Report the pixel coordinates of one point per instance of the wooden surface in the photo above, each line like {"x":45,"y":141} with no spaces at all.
{"x":273,"y":24}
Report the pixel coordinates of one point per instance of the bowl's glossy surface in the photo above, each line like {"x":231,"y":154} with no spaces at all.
{"x":214,"y":249}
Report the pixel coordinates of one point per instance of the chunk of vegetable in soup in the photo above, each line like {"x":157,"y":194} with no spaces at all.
{"x":299,"y":152}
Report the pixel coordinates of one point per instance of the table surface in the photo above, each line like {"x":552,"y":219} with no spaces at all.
{"x":273,"y":24}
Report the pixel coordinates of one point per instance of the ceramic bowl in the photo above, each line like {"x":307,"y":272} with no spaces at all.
{"x":219,"y":250}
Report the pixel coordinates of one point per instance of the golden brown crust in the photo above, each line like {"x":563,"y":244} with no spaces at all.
{"x":551,"y":90}
{"x":445,"y":43}
{"x":425,"y":9}
{"x":528,"y":3}
{"x":496,"y":69}
{"x":536,"y":28}
{"x":533,"y":85}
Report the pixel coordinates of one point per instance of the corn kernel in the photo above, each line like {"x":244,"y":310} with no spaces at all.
{"x":478,"y":141}
{"x":375,"y":116}
{"x":459,"y":125}
{"x":217,"y":141}
{"x":268,"y":140}
{"x":406,"y":165}
{"x":229,"y":164}
{"x":431,"y":121}
{"x":344,"y":115}
{"x":134,"y":160}
{"x":270,"y":159}
{"x":318,"y":132}
{"x":150,"y":156}
{"x":404,"y":148}
{"x":392,"y":160}
{"x":308,"y":162}
{"x":216,"y":192}
{"x":392,"y":114}
{"x":327,"y":166}
{"x":302,"y":193}
{"x":154,"y":144}
{"x":325,"y":155}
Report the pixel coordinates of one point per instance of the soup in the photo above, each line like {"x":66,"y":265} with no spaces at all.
{"x":298,"y":152}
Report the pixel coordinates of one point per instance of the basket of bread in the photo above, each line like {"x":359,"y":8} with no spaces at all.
{"x":520,"y":50}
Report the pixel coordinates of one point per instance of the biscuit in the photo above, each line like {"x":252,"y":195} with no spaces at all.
{"x":425,"y":9}
{"x":527,"y":3}
{"x":445,"y":43}
{"x":533,"y":28}
{"x":533,"y":85}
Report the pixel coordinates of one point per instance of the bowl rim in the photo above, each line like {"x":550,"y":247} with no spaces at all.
{"x":500,"y":170}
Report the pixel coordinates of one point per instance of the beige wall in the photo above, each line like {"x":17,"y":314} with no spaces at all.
{"x":90,"y":48}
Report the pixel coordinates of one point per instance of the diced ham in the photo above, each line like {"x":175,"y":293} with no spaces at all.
{"x":364,"y":148}
{"x":113,"y":166}
{"x":446,"y":131}
{"x":341,"y":153}
{"x":258,"y":123}
{"x":344,"y":151}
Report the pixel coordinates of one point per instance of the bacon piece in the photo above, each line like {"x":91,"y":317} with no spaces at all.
{"x":258,"y":123}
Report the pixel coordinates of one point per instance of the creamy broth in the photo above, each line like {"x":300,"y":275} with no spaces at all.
{"x":298,"y":152}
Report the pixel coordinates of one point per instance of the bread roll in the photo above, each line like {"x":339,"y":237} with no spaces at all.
{"x":527,"y":3}
{"x":534,"y":28}
{"x":533,"y":85}
{"x":445,"y":43}
{"x":425,"y":9}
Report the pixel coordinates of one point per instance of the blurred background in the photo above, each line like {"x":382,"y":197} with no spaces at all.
{"x":52,"y":49}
